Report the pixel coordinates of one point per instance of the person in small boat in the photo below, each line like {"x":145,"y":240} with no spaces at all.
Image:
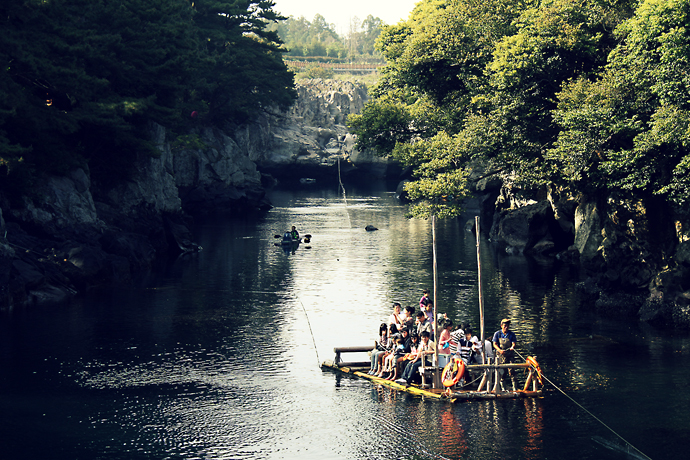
{"x":504,"y":343}
{"x":294,"y":233}
{"x":380,"y":345}
{"x":397,"y":317}
{"x":424,"y":351}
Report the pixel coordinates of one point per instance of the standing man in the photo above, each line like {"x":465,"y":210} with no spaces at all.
{"x":504,"y":343}
{"x":294,"y":233}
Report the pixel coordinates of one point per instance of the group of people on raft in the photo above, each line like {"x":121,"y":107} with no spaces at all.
{"x":406,"y":342}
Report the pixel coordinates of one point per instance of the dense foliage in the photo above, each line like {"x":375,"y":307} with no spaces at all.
{"x":81,"y":79}
{"x":320,"y":39}
{"x":587,"y":94}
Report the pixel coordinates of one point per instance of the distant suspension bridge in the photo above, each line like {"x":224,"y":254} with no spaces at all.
{"x":336,"y":67}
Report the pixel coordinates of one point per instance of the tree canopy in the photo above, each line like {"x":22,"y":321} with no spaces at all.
{"x":81,"y":79}
{"x":589,"y":94}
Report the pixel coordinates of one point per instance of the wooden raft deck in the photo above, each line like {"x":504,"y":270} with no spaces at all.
{"x":360,"y":369}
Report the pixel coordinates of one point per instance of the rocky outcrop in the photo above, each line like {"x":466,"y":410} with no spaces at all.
{"x":312,"y":139}
{"x":71,"y":235}
{"x":634,"y":252}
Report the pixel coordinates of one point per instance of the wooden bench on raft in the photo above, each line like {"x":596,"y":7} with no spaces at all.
{"x":354,"y":364}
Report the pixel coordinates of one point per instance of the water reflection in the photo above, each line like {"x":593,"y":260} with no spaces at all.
{"x":217,"y":355}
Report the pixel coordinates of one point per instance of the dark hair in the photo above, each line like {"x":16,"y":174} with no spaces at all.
{"x":426,"y":334}
{"x":410,"y":309}
{"x":394,"y":329}
{"x":414,"y":335}
{"x":425,"y":291}
{"x":383,"y":327}
{"x":447,"y":322}
{"x":420,"y":314}
{"x":396,"y":304}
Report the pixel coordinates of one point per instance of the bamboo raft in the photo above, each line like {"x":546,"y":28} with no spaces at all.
{"x":491,"y":382}
{"x":489,"y":388}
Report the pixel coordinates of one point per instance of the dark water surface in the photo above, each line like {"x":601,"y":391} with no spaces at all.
{"x":218,"y":356}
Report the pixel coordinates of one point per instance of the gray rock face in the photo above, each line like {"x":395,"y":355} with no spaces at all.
{"x":312,"y":135}
{"x":588,"y":228}
{"x":79,"y":236}
{"x":66,"y":205}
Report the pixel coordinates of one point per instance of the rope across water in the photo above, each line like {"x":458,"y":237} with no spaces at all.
{"x":588,"y":412}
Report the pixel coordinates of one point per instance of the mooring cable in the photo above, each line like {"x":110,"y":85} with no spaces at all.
{"x":591,"y":414}
{"x":316,"y":350}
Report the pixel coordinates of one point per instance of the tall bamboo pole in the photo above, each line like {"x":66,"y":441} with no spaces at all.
{"x":433,"y":238}
{"x":479,"y":283}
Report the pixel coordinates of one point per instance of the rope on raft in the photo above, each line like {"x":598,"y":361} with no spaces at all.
{"x":591,"y":414}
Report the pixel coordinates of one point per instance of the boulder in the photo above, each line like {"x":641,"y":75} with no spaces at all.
{"x":525,"y":229}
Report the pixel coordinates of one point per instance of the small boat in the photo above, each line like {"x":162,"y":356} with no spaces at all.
{"x":288,"y":239}
{"x":485,"y":381}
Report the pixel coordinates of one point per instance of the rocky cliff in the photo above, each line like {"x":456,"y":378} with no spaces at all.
{"x":634,"y":251}
{"x":71,"y":233}
{"x":311,"y":139}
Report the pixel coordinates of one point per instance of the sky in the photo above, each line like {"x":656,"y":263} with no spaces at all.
{"x":339,"y":12}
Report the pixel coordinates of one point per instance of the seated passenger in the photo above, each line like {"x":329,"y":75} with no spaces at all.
{"x":422,"y":357}
{"x":423,"y":324}
{"x":444,"y":337}
{"x":455,"y":337}
{"x":468,"y":345}
{"x":392,"y":331}
{"x":401,"y":353}
{"x":409,"y":318}
{"x":397,"y":317}
{"x":380,"y":345}
{"x":392,"y":359}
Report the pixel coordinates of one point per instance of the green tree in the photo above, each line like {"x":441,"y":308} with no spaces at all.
{"x":630,"y":128}
{"x":81,"y":79}
{"x":434,"y":82}
{"x":482,"y":78}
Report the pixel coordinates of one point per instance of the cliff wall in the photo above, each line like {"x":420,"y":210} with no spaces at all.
{"x":71,"y":233}
{"x":634,"y":251}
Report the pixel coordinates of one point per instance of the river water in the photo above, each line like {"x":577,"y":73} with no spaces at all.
{"x":217,"y":355}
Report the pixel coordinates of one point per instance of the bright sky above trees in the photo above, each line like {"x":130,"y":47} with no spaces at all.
{"x":340,"y":13}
